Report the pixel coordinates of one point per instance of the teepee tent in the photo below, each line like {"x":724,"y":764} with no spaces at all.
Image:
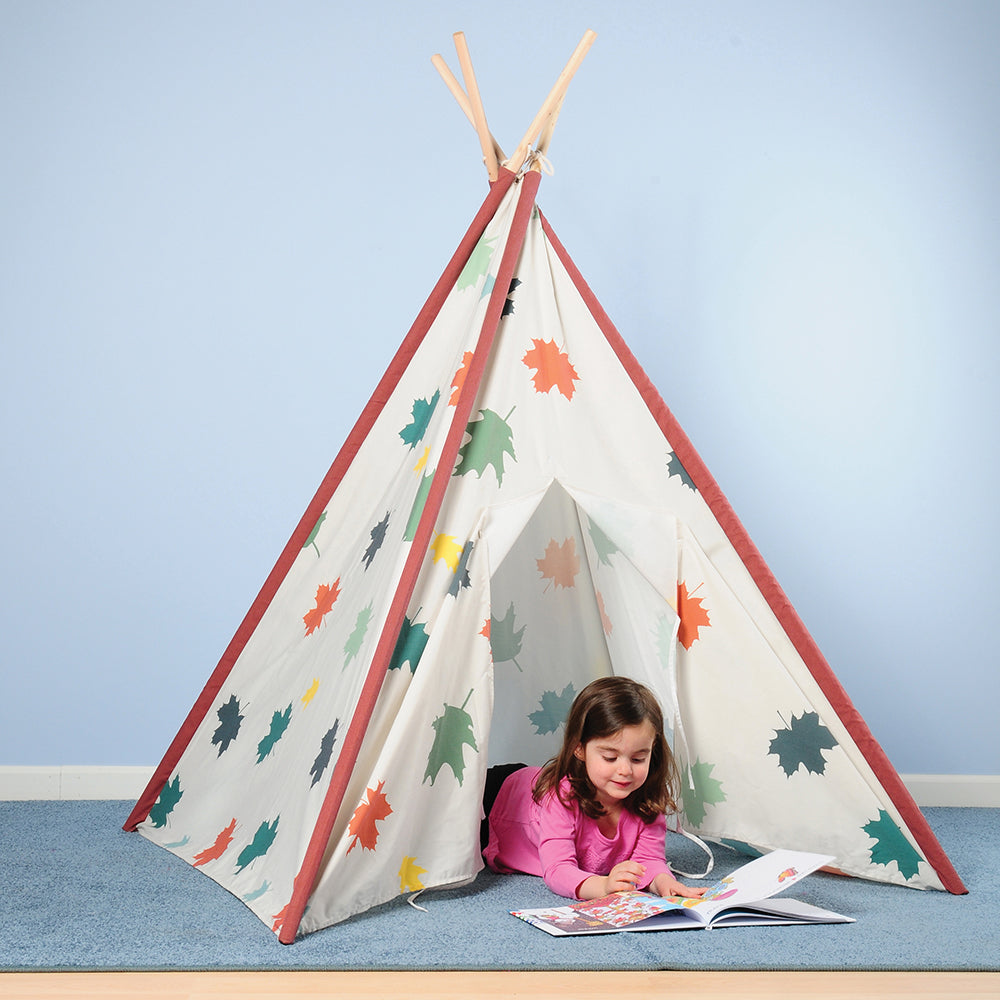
{"x":515,"y":513}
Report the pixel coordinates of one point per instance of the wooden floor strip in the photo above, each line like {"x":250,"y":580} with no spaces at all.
{"x":536,"y":985}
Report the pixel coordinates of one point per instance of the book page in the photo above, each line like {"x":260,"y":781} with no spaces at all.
{"x":630,"y":909}
{"x":623,"y":908}
{"x":758,"y":880}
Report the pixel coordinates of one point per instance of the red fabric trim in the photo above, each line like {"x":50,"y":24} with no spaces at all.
{"x":336,"y":473}
{"x":766,"y":582}
{"x":354,"y":737}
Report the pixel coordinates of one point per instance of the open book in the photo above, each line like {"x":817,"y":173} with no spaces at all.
{"x":738,"y":900}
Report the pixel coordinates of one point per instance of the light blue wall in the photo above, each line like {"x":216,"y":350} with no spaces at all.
{"x":217,"y":221}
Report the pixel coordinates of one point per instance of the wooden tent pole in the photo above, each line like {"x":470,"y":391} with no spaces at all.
{"x":453,"y":85}
{"x":551,"y":102}
{"x":546,"y":137}
{"x":458,"y":92}
{"x":475,"y":101}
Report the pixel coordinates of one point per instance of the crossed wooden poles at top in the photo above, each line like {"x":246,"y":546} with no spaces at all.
{"x":539,"y":133}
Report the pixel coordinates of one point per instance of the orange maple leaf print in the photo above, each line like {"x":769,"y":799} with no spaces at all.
{"x":692,"y":615}
{"x":326,"y":595}
{"x":552,"y":368}
{"x":281,"y":916}
{"x":213,"y":853}
{"x":606,"y":623}
{"x":365,"y":817}
{"x":459,"y":380}
{"x":561,"y":563}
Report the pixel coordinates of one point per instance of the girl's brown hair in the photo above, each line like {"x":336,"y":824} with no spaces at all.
{"x":603,"y":708}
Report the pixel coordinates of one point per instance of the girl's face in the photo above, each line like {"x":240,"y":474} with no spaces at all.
{"x":618,"y":764}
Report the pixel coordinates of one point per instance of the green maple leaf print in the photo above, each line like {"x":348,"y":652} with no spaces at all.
{"x":801,"y":744}
{"x":311,"y":540}
{"x":452,"y":732}
{"x":279,"y":723}
{"x":505,"y":643}
{"x":891,"y":845}
{"x":422,"y":412}
{"x":378,"y":537}
{"x":353,"y":645}
{"x":229,"y":724}
{"x":706,"y":791}
{"x":325,"y":753}
{"x":418,"y":507}
{"x":461,"y":577}
{"x":490,"y":439}
{"x":675,"y":468}
{"x":258,"y":847}
{"x":478,"y":263}
{"x":409,"y":646}
{"x":603,"y":545}
{"x":555,"y":708}
{"x":665,"y":640}
{"x":170,"y":795}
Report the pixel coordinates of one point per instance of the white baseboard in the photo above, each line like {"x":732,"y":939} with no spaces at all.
{"x":72,"y":782}
{"x":80,"y":782}
{"x":981,"y":790}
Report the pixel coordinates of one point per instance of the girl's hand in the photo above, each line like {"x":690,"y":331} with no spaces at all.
{"x":667,"y":885}
{"x":625,"y":875}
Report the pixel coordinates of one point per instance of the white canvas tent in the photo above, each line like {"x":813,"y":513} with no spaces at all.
{"x":515,"y":513}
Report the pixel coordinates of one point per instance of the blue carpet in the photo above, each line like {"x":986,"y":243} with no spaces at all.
{"x":78,"y":893}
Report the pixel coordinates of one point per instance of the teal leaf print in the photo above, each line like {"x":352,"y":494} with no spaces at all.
{"x":279,"y":723}
{"x":421,"y":413}
{"x":164,"y":805}
{"x":409,"y":646}
{"x":892,"y":846}
{"x":553,"y":711}
{"x":259,"y":846}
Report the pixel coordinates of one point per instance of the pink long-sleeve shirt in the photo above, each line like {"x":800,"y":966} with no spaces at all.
{"x":562,"y":843}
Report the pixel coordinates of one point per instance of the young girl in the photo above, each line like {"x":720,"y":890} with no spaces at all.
{"x":591,"y":821}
